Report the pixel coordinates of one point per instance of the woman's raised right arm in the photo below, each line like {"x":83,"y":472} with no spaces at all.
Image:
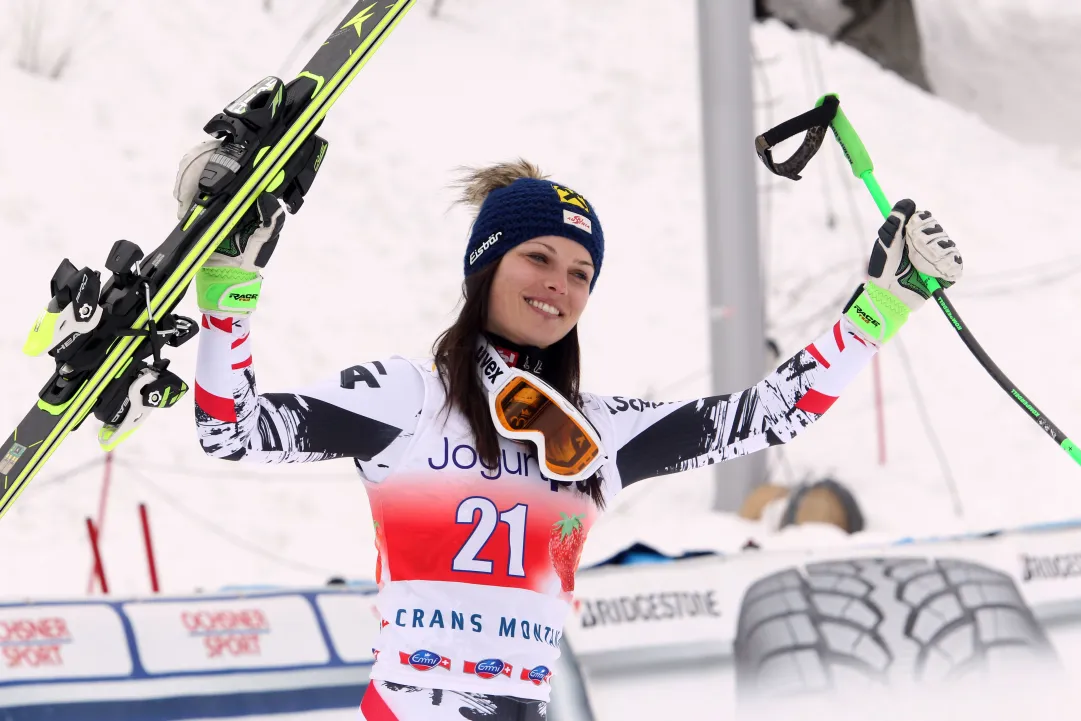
{"x":356,"y":415}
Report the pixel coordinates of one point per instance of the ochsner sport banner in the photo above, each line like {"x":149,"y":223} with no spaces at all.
{"x":186,"y":657}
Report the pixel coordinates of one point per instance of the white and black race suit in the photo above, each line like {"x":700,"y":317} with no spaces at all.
{"x":476,"y":564}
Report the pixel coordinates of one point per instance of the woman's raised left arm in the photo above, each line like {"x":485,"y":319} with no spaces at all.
{"x":654,"y":439}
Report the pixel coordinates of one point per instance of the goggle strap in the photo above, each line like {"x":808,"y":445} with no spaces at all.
{"x":493,"y":371}
{"x":495,"y":374}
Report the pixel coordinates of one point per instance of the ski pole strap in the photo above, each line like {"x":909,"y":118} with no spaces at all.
{"x":814,"y":123}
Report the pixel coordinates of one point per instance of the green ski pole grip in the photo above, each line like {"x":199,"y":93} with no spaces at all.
{"x":854,"y":149}
{"x":862,"y":167}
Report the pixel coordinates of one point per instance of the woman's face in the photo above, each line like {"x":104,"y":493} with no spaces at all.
{"x":539,"y":291}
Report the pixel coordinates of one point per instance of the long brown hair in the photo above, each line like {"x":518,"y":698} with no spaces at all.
{"x":455,"y":347}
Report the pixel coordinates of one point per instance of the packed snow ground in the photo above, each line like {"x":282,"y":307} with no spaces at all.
{"x":605,"y":98}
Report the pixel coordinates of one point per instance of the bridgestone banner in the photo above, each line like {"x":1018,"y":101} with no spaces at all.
{"x":757,"y":628}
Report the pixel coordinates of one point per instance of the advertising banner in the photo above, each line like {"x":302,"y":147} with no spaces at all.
{"x":200,"y":635}
{"x":62,"y":641}
{"x":731,"y":633}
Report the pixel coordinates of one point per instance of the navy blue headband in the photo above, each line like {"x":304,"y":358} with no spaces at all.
{"x":530,"y":208}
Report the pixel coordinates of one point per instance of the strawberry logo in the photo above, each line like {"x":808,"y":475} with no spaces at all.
{"x":565,"y":542}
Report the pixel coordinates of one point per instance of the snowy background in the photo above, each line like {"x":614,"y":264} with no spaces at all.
{"x":604,"y":96}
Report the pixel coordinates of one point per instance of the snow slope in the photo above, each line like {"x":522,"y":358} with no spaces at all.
{"x":1012,"y":62}
{"x":603,"y":97}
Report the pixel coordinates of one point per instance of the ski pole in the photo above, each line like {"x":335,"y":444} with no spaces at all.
{"x":827,"y":113}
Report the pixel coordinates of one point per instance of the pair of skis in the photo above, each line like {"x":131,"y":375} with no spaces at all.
{"x":106,"y":338}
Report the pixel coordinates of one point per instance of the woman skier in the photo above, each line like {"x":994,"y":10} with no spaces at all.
{"x":485,"y":466}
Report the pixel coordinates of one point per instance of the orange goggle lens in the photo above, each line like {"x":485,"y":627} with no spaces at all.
{"x":522,"y":407}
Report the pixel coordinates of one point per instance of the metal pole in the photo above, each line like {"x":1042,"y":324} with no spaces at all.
{"x":737,"y":338}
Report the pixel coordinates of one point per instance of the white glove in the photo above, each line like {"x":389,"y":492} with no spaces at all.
{"x":255,"y":236}
{"x":190,"y":170}
{"x":231,"y":279}
{"x":909,"y":242}
{"x":926,"y":248}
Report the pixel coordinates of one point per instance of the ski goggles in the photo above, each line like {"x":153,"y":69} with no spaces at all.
{"x":525,"y":408}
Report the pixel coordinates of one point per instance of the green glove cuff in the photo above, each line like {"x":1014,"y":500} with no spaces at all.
{"x":877,"y":313}
{"x":228,"y":290}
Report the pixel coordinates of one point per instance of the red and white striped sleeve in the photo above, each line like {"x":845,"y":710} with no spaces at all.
{"x":840,"y":355}
{"x":654,"y":438}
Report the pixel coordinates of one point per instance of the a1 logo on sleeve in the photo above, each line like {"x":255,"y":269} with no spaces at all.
{"x":424,"y":660}
{"x":488,"y":668}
